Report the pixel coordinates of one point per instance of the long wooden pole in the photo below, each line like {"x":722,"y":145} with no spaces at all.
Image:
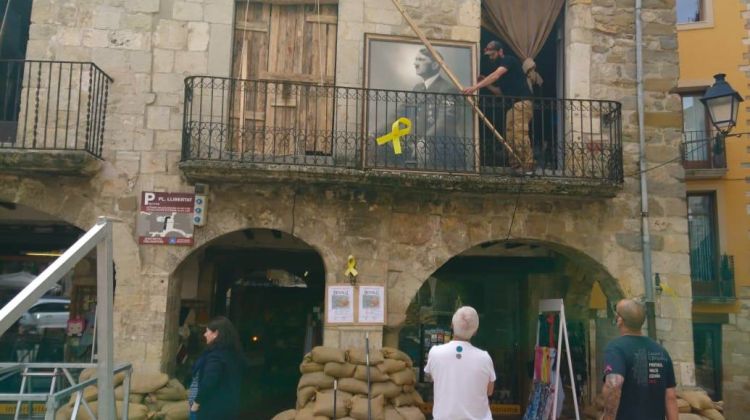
{"x":453,"y":78}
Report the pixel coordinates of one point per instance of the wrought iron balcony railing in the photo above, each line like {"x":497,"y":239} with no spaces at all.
{"x":288,"y":123}
{"x":52,"y":105}
{"x":712,"y":277}
{"x":701,"y":150}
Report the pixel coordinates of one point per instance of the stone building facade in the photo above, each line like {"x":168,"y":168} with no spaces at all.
{"x":401,"y":227}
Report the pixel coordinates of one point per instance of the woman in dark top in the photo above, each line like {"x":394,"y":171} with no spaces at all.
{"x":217,"y":374}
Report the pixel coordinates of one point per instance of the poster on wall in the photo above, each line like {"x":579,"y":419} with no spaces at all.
{"x":166,"y":218}
{"x":340,"y":304}
{"x":371,"y":302}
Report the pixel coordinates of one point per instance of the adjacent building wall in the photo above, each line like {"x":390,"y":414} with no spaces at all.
{"x":720,"y":45}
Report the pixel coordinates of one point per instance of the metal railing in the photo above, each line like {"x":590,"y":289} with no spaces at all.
{"x":53,"y":105}
{"x":711,"y":276}
{"x":62,"y":385}
{"x":701,"y":150}
{"x":99,"y":237}
{"x":329,"y":126}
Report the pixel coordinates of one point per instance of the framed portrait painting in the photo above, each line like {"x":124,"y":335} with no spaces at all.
{"x":404,"y":80}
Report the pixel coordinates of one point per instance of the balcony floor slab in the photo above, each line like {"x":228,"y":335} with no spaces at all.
{"x":539,"y":182}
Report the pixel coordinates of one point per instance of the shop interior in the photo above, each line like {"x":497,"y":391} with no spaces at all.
{"x":504,"y":283}
{"x":271,"y":286}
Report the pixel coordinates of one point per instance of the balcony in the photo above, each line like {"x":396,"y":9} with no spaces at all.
{"x":712,"y":278}
{"x":239,"y":130}
{"x":52,"y":117}
{"x":703,"y":155}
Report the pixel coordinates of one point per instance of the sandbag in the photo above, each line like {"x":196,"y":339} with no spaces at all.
{"x":324,"y":355}
{"x":285,"y":415}
{"x":683,"y":406}
{"x":410,"y":413}
{"x":176,"y":410}
{"x":172,"y":391}
{"x":391,"y":365}
{"x":89,"y":373}
{"x":358,"y":356}
{"x":391,"y":353}
{"x":64,"y":413}
{"x":339,"y":370}
{"x":375,"y":374}
{"x":387,"y":389}
{"x":403,"y":377}
{"x":134,"y":398}
{"x":392,"y":414}
{"x":712,"y":414}
{"x":135,"y":412}
{"x":304,"y":395}
{"x":317,"y":379}
{"x":310,"y":367}
{"x":308,"y":413}
{"x":324,"y":404}
{"x":359,"y":408}
{"x":699,"y":400}
{"x":146,"y":383}
{"x":90,"y":393}
{"x":353,"y":386}
{"x":690,"y":416}
{"x":411,"y":398}
{"x":408,"y":388}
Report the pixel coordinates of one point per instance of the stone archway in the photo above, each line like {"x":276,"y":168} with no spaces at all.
{"x":579,"y":265}
{"x":505,"y":280}
{"x":271,"y":285}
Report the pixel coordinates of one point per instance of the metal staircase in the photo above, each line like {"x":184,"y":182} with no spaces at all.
{"x":62,"y":383}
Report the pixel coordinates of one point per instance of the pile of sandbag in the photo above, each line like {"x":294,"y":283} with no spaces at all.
{"x":392,"y":393}
{"x":692,"y":405}
{"x":697,"y":405}
{"x":152,"y":396}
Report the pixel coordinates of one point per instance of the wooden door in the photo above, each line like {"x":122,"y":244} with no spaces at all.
{"x":284,"y":57}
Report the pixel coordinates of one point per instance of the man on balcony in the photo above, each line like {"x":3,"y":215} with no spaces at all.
{"x":509,"y":79}
{"x":441,"y":141}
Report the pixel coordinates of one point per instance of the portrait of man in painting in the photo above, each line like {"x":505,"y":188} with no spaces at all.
{"x":409,"y":82}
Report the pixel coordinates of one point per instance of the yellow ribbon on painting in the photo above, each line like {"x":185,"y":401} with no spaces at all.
{"x":396,"y":133}
{"x":351,"y":265}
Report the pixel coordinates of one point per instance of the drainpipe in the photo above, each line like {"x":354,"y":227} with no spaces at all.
{"x":645,"y":237}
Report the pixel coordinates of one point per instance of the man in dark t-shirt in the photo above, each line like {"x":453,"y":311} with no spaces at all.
{"x":639,"y":381}
{"x":509,"y":79}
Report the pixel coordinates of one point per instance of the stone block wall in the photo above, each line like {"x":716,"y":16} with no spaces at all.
{"x":736,"y":358}
{"x":400,"y":237}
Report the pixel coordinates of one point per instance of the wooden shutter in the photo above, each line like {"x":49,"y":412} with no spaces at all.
{"x":288,"y":53}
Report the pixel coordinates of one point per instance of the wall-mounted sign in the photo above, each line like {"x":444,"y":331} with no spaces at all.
{"x":166,"y":218}
{"x":340,"y":304}
{"x":371,"y":305}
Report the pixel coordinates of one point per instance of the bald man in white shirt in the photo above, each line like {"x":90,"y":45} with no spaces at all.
{"x":463,"y":375}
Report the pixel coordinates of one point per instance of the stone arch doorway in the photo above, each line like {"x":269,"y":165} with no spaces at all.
{"x":504,"y":281}
{"x":270,"y":284}
{"x":30,"y":241}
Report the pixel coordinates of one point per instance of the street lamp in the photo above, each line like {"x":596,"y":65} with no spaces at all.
{"x":722,"y":103}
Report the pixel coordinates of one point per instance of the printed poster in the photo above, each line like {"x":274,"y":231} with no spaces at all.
{"x":371,"y":305}
{"x":166,"y":218}
{"x":340,"y":304}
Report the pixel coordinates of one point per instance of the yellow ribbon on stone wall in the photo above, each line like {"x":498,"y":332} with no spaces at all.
{"x":351,"y":265}
{"x":396,"y":133}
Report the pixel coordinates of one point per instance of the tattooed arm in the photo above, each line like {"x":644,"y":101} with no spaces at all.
{"x":611,"y":392}
{"x":671,"y":402}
